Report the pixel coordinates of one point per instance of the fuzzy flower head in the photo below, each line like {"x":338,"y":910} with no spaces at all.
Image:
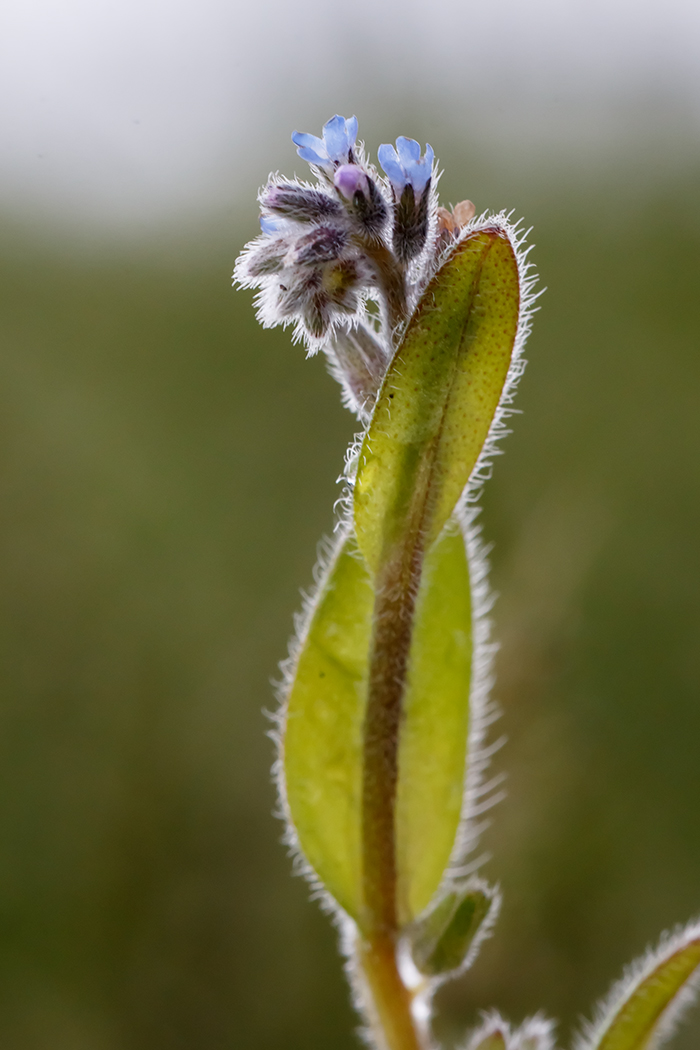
{"x":334,"y":148}
{"x":344,"y":258}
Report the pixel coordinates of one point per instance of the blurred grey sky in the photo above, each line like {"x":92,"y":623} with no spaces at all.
{"x":115,"y":111}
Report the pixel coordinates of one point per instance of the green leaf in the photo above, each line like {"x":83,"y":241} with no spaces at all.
{"x":441,"y":941}
{"x":322,"y":747}
{"x":644,"y":1006}
{"x":439,"y":397}
{"x":323,"y":728}
{"x":435,"y":730}
{"x":433,"y":415}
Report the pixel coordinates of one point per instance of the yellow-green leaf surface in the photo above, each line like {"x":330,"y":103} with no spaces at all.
{"x":325,"y":713}
{"x":635,"y":1022}
{"x":433,"y":740}
{"x":439,"y":396}
{"x":323,"y":731}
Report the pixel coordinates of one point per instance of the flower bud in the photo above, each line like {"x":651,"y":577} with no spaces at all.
{"x":323,"y":244}
{"x":267,"y":258}
{"x":300,"y":203}
{"x":464,"y":212}
{"x":446,"y":222}
{"x":349,"y":180}
{"x":364,"y":201}
{"x":449,"y":223}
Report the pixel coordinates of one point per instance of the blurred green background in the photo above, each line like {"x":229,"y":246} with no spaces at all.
{"x":166,"y":469}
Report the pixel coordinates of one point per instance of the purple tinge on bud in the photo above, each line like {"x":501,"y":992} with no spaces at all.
{"x":364,"y":203}
{"x":349,"y":180}
{"x":404,"y":166}
{"x":336,"y":146}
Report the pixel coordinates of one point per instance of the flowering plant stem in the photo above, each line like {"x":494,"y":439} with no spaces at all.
{"x":390,"y":1010}
{"x":384,"y":705}
{"x":392,"y":622}
{"x":390,"y":278}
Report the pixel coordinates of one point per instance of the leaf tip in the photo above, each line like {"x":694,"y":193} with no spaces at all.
{"x":643,"y":1008}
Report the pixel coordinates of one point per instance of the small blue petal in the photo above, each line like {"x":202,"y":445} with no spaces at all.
{"x":387,"y":152}
{"x":408,"y":151}
{"x":268,"y":225}
{"x":422,"y":171}
{"x":304,"y":140}
{"x":404,"y":166}
{"x":335,"y":137}
{"x":419,"y":176}
{"x":389,"y":161}
{"x":351,"y":128}
{"x":313,"y":157}
{"x":338,"y":139}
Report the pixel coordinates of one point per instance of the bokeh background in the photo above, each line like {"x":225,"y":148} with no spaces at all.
{"x":166,"y":469}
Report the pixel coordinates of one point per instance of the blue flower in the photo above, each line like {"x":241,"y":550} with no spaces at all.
{"x":404,"y":166}
{"x":334,"y":148}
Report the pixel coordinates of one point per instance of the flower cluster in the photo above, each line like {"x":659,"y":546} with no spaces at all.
{"x":328,"y":250}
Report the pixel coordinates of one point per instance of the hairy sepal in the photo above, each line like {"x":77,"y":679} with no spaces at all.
{"x":643,"y":1009}
{"x":323,"y":721}
{"x":439,"y":397}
